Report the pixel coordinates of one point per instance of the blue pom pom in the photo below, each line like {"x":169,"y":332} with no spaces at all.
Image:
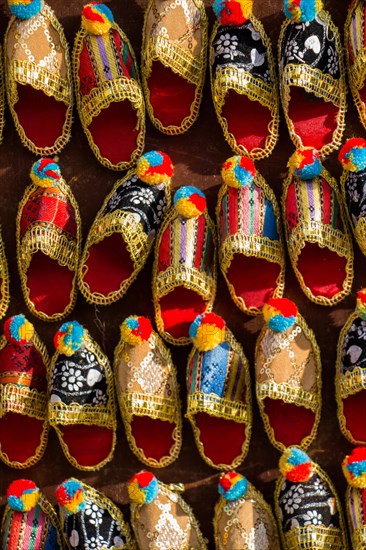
{"x":25,"y":10}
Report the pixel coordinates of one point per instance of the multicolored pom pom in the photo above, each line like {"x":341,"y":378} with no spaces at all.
{"x":154,"y":167}
{"x":232,"y":486}
{"x":190,"y":202}
{"x":354,"y":468}
{"x":295,"y":465}
{"x":280,"y":314}
{"x":361,"y":303}
{"x":352,"y":156}
{"x":207,"y":331}
{"x":25,"y":9}
{"x":22,"y":495}
{"x":69,"y":338}
{"x":143,"y":488}
{"x":18,"y":330}
{"x":238,"y":171}
{"x":45,"y":173}
{"x":70,"y":496}
{"x":232,"y":12}
{"x":301,"y":11}
{"x":305,"y":163}
{"x":136,"y":329}
{"x":96,"y":18}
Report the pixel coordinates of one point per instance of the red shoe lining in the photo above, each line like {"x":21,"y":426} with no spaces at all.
{"x":153,"y":436}
{"x":20,"y":436}
{"x":354,"y":410}
{"x":290,"y":423}
{"x":222,"y":439}
{"x":179,"y":309}
{"x":89,"y":445}
{"x":323,"y":271}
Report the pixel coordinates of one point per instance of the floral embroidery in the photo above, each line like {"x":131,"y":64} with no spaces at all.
{"x":312,"y":518}
{"x":226,"y":45}
{"x":354,"y":347}
{"x":94,"y":513}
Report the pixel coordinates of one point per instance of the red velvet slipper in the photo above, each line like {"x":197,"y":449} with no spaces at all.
{"x":38,"y":77}
{"x":312,"y":77}
{"x":219,"y":405}
{"x":355,"y":38}
{"x":23,"y":394}
{"x":82,"y":405}
{"x":184,"y":271}
{"x":318,"y":240}
{"x":148,"y":393}
{"x":243,"y":80}
{"x":288,"y":376}
{"x":48,"y":233}
{"x":173,"y":63}
{"x":351,"y":374}
{"x":108,"y":93}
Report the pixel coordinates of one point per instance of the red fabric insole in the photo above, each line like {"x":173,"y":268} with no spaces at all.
{"x":254,"y":279}
{"x":109,"y":264}
{"x":247,"y":120}
{"x":153,"y":436}
{"x":354,"y":410}
{"x":179,"y":309}
{"x":42,"y":117}
{"x":89,"y":445}
{"x":171,"y":96}
{"x":289,"y":422}
{"x":314,"y":119}
{"x":222,"y":439}
{"x":323,"y":270}
{"x":49,"y":283}
{"x":115,"y":131}
{"x":20,"y":436}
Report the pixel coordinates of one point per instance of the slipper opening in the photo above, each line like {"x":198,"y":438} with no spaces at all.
{"x":354,"y":410}
{"x":179,"y":309}
{"x":254,"y":279}
{"x":42,"y":117}
{"x":290,"y":423}
{"x":115,"y":131}
{"x":88,"y":445}
{"x":171,"y":96}
{"x":323,"y":271}
{"x":247,"y":120}
{"x":153,"y":436}
{"x":314,"y":119}
{"x":49,"y":294}
{"x":109,"y":264}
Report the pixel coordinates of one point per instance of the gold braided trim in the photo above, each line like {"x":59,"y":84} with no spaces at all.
{"x":116,"y":90}
{"x":358,"y":537}
{"x":315,"y":81}
{"x":352,"y":382}
{"x":189,"y":277}
{"x":154,"y":406}
{"x":359,"y":231}
{"x":244,"y":83}
{"x":110,"y":88}
{"x":250,"y":245}
{"x":90,"y":415}
{"x":4,"y":274}
{"x":356,"y":76}
{"x":288,"y":394}
{"x":319,"y":233}
{"x":146,"y":62}
{"x":216,"y":406}
{"x":22,"y":400}
{"x":357,"y":71}
{"x":174,"y":57}
{"x":52,"y":85}
{"x":2,"y":95}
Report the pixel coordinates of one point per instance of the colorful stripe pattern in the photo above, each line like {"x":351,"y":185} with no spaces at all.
{"x":246,"y":210}
{"x":189,"y":243}
{"x":22,"y":365}
{"x":219,"y":371}
{"x":357,"y":507}
{"x":29,"y":531}
{"x":104,"y":58}
{"x":357,"y":36}
{"x":312,"y":200}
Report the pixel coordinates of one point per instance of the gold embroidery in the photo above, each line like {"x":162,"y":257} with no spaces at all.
{"x":4,"y":275}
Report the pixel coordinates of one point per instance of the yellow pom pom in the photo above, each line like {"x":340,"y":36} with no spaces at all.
{"x":207,"y":331}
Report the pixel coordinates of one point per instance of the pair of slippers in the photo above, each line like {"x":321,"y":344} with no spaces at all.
{"x":73,"y":392}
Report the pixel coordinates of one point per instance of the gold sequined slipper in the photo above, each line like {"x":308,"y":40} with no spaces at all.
{"x":243,"y":79}
{"x":307,"y":507}
{"x":108,"y":92}
{"x":312,"y":76}
{"x":316,"y":231}
{"x":354,"y":32}
{"x":160,"y":517}
{"x":219,"y":403}
{"x":288,"y":376}
{"x":350,"y":379}
{"x":354,"y":469}
{"x":82,"y":407}
{"x":48,"y":233}
{"x":123,"y":232}
{"x":184,"y":270}
{"x":251,"y":247}
{"x":38,"y":77}
{"x":243,"y":519}
{"x":148,"y":393}
{"x":173,"y":59}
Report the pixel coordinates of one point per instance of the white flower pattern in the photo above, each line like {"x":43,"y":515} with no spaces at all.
{"x":226,"y":45}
